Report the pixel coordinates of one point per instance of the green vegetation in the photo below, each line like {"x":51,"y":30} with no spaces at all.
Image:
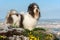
{"x":35,"y":34}
{"x":39,"y":33}
{"x":3,"y":37}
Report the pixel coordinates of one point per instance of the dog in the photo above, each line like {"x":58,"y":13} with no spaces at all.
{"x":28,"y":20}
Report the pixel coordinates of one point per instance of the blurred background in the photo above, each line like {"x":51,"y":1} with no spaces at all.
{"x":50,"y":9}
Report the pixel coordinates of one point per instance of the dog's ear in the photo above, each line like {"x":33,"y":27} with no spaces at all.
{"x":30,"y":8}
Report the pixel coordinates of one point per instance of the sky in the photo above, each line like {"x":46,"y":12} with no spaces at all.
{"x":50,"y":9}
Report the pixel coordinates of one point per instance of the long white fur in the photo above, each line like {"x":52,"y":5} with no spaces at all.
{"x":16,"y":19}
{"x":29,"y":22}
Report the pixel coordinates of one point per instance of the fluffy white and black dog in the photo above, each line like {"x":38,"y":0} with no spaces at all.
{"x":27,"y":21}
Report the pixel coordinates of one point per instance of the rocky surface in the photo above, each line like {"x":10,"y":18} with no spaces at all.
{"x":10,"y":33}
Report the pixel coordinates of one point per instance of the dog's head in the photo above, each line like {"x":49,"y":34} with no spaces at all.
{"x":34,"y":10}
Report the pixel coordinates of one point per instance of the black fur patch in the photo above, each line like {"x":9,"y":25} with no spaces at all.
{"x":31,"y":9}
{"x":10,"y":19}
{"x":17,"y":14}
{"x":32,"y":14}
{"x":21,"y":21}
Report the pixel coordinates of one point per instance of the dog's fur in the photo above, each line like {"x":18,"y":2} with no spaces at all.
{"x":27,"y":21}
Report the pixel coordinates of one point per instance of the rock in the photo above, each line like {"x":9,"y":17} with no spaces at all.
{"x":23,"y":34}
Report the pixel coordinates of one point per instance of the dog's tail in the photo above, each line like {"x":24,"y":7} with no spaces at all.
{"x":12,"y":11}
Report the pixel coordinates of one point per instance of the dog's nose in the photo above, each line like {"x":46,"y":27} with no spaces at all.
{"x":36,"y":10}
